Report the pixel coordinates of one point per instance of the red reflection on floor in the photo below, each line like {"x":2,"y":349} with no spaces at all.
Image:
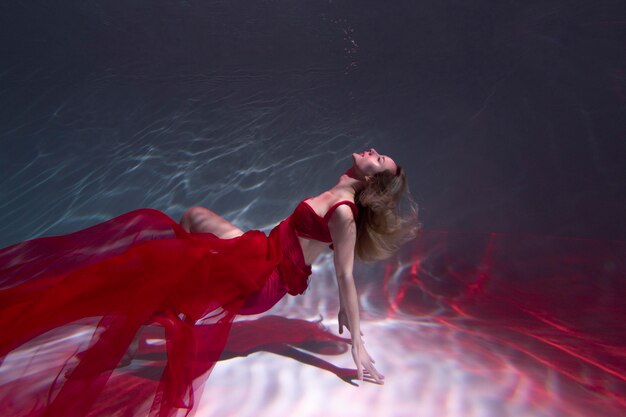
{"x":550,"y":304}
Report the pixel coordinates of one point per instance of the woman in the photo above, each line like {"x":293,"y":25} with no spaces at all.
{"x":192,"y":279}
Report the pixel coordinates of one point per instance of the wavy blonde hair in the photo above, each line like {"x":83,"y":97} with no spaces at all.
{"x":381,"y":228}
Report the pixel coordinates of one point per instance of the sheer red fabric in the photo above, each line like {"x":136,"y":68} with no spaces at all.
{"x":71,"y":305}
{"x":84,"y":297}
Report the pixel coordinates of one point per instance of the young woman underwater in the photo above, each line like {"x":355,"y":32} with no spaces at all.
{"x":191,"y":278}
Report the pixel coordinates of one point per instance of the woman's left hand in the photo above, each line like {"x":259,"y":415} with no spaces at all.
{"x":364,"y":362}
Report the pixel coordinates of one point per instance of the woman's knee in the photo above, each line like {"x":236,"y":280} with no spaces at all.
{"x":199,"y":219}
{"x":185,"y":220}
{"x":192,"y":216}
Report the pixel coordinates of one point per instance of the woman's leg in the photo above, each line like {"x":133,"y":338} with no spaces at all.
{"x":202,"y":220}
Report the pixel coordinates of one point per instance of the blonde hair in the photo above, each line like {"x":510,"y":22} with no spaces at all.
{"x":381,"y":229}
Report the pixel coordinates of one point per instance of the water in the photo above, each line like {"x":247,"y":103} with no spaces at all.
{"x":508,"y":118}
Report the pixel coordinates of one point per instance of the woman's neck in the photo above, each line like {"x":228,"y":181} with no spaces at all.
{"x":348,"y":185}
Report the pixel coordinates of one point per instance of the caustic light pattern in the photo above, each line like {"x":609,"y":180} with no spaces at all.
{"x":460,"y":324}
{"x":544,"y":312}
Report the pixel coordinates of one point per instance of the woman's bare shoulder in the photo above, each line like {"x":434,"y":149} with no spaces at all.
{"x":322,"y":202}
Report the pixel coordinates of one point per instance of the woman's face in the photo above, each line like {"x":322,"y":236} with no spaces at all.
{"x":371,"y":162}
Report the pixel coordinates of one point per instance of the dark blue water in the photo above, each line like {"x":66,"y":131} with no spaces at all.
{"x":507,"y":116}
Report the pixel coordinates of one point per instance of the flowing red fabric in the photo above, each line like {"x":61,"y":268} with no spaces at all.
{"x":82,"y":298}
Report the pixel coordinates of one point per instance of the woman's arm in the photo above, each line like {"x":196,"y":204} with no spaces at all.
{"x":343,"y":232}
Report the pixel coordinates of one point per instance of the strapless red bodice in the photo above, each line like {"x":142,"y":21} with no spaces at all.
{"x":307,"y":223}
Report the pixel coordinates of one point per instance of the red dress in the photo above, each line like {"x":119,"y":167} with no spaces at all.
{"x":137,"y":269}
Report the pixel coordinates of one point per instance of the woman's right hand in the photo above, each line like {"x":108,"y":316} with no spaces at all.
{"x":342,"y":319}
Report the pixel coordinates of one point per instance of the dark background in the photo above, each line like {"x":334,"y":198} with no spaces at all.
{"x":508,"y":116}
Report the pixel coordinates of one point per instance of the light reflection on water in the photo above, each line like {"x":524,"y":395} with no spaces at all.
{"x":220,"y":143}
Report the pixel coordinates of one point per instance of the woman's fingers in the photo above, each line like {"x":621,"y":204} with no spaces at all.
{"x":342,"y":323}
{"x":368,"y":363}
{"x":357,"y":360}
{"x":365,"y":365}
{"x":378,"y":377}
